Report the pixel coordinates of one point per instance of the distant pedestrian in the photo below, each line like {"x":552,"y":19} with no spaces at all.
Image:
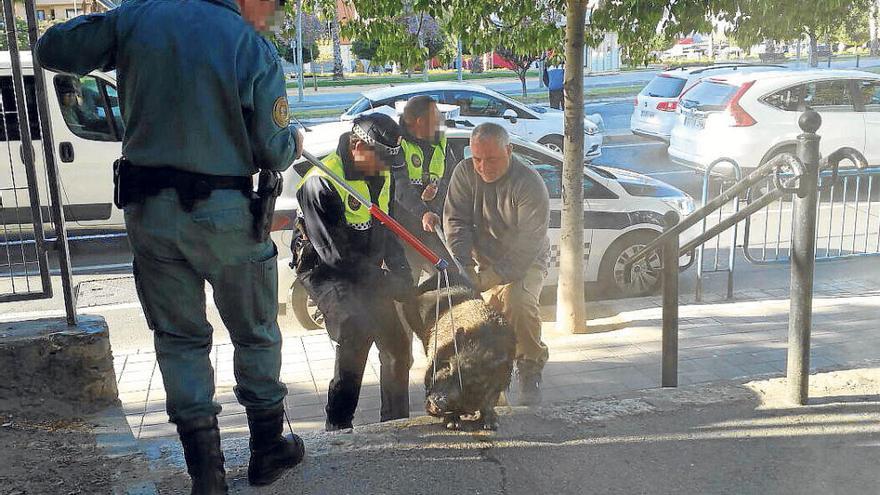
{"x":555,"y":81}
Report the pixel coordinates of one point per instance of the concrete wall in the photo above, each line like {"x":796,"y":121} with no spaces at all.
{"x":49,"y":368}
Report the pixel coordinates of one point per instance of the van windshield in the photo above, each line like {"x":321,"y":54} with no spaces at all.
{"x":709,"y":96}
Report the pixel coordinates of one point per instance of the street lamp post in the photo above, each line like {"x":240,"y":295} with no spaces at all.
{"x":460,"y":77}
{"x":299,"y":51}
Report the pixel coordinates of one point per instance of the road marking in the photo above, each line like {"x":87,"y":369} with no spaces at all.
{"x":59,"y":313}
{"x":606,"y":147}
{"x":75,"y":270}
{"x":89,"y":268}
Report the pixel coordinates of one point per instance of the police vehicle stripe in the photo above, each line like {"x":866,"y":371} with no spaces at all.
{"x":553,"y":256}
{"x":610,"y":220}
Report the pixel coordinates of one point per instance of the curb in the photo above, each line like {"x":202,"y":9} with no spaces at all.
{"x":114,"y":438}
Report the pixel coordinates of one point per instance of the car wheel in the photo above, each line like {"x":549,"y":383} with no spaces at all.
{"x":553,"y":143}
{"x":646,"y":273}
{"x":304,"y":309}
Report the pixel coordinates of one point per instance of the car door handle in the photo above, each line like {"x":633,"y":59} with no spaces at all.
{"x":65,"y":152}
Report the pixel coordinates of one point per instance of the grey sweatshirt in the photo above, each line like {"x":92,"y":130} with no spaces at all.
{"x":504,"y":223}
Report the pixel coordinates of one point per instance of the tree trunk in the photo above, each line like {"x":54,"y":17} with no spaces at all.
{"x":874,"y":23}
{"x":522,"y":80}
{"x":476,"y":64}
{"x":338,"y":73}
{"x":570,"y":310}
{"x":814,"y":50}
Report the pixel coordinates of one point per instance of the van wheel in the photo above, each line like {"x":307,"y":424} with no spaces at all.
{"x":645,"y":278}
{"x":304,"y":309}
{"x":553,"y":143}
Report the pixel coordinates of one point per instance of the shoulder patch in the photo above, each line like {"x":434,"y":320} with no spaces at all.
{"x":281,"y":112}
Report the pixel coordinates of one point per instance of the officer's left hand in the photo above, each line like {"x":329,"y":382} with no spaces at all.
{"x":487,"y":278}
{"x":299,"y":143}
{"x":430,"y":192}
{"x":429,"y":221}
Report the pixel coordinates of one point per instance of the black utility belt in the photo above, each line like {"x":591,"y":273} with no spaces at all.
{"x":133,"y":184}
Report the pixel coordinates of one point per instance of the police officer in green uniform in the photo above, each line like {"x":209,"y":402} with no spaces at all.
{"x":354,"y":268}
{"x":204,"y":106}
{"x":422,"y":177}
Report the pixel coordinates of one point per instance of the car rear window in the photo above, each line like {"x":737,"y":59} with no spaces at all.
{"x":709,"y":95}
{"x":664,"y":87}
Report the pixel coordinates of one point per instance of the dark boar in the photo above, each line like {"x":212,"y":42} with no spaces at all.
{"x":486,"y":351}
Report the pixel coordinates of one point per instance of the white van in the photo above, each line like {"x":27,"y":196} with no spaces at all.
{"x":87,"y":132}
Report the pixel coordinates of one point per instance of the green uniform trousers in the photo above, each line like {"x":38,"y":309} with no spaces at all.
{"x":175,"y":253}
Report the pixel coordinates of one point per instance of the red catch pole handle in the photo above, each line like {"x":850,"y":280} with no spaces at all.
{"x":438,"y":262}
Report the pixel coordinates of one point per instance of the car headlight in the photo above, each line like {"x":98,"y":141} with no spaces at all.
{"x":590,"y":130}
{"x":684,"y":205}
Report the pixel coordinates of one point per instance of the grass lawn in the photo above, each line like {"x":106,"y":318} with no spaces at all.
{"x":875,"y":70}
{"x":363,"y":80}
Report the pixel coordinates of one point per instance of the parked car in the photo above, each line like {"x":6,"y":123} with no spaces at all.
{"x":623,"y":212}
{"x":479,"y":104}
{"x":654,"y":112}
{"x":750,"y":118}
{"x":87,"y":128}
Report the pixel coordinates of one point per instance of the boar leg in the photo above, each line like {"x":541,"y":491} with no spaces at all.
{"x":487,"y":413}
{"x":453,"y":422}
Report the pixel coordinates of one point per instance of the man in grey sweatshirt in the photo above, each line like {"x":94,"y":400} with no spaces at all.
{"x":496,"y":216}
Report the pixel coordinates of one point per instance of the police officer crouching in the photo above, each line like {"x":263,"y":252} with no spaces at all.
{"x":354,"y":268}
{"x":204,"y":106}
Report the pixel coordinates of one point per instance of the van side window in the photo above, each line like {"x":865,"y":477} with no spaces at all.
{"x":90,"y":107}
{"x":9,"y":123}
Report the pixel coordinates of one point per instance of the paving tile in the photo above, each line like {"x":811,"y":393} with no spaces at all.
{"x":155,"y":418}
{"x":157,"y":431}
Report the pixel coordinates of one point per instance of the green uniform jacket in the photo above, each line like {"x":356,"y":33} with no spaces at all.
{"x":200,"y":90}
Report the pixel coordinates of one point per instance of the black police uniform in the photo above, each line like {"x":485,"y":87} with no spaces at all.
{"x":340,"y":263}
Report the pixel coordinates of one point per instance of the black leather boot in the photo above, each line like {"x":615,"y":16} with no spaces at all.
{"x":271,"y":453}
{"x":200,"y":438}
{"x":529,"y":375}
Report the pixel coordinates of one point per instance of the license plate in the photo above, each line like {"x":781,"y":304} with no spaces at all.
{"x":694,"y":122}
{"x":647,"y":115}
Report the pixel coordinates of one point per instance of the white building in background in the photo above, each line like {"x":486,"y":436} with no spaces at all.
{"x":603,"y":58}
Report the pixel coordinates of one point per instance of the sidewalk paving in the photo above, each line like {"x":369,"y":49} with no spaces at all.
{"x":719,"y":340}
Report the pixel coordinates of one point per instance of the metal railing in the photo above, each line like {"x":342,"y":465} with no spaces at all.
{"x":848,"y":220}
{"x":723,"y":181}
{"x":24,"y":248}
{"x":791,"y":175}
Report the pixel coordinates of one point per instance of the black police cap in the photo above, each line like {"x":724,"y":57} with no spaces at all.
{"x":378,"y":128}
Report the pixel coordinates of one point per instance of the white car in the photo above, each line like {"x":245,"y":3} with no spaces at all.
{"x":87,"y":130}
{"x":750,"y":118}
{"x":623,"y":212}
{"x":479,"y":104}
{"x":654,"y":109}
